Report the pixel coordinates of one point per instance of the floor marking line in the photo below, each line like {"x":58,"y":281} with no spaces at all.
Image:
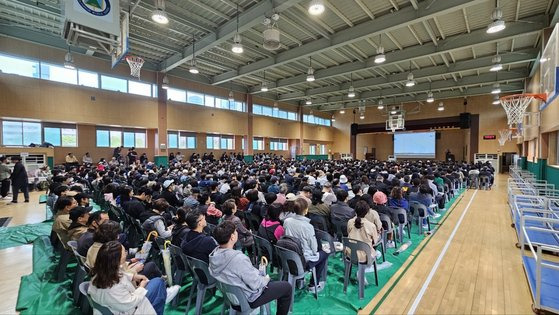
{"x":439,"y":259}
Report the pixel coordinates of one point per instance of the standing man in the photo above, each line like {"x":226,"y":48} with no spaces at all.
{"x":5,"y":172}
{"x":19,"y":180}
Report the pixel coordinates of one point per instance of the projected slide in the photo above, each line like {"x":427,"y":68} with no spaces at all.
{"x":419,"y":145}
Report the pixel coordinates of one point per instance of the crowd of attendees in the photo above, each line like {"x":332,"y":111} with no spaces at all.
{"x":287,"y":199}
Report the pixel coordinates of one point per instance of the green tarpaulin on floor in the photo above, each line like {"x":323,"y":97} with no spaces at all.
{"x":23,"y":234}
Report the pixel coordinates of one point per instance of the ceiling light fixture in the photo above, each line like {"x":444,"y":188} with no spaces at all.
{"x":193,"y":69}
{"x":497,"y":66}
{"x":165,"y":83}
{"x":410,"y":82}
{"x":237,"y":45}
{"x":441,"y":107}
{"x":308,"y":101}
{"x":159,"y":15}
{"x":316,"y":7}
{"x":380,"y":104}
{"x":430,"y":98}
{"x":69,"y":60}
{"x":231,"y":96}
{"x":496,"y":89}
{"x":264,"y":86}
{"x":362,"y":116}
{"x":351,"y":91}
{"x":498,"y":24}
{"x":380,"y":57}
{"x":342,"y":111}
{"x":496,"y":100}
{"x":333,"y":118}
{"x":310,"y":72}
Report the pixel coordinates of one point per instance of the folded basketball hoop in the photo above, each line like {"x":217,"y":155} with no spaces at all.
{"x":515,"y":105}
{"x":135,"y":64}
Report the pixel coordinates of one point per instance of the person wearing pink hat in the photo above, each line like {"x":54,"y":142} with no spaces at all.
{"x":380,"y":200}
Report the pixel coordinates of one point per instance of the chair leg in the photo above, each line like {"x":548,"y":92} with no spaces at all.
{"x":179,"y":274}
{"x":78,"y":279}
{"x":62,"y":264}
{"x":194,"y":285}
{"x":347,"y":273}
{"x":315,"y":282}
{"x":401,"y":232}
{"x":200,"y":298}
{"x":291,"y":281}
{"x":361,"y":280}
{"x":376,"y":273}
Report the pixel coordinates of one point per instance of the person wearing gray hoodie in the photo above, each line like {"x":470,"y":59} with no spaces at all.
{"x":232,"y":267}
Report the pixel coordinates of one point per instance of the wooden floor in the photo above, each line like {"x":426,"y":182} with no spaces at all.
{"x":481,"y":272}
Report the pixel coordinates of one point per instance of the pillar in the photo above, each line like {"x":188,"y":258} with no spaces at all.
{"x":161,"y":151}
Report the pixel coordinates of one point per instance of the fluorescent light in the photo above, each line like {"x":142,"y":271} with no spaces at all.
{"x":351,"y":92}
{"x":496,"y":89}
{"x":237,"y":46}
{"x":380,"y":104}
{"x":159,"y":16}
{"x":362,"y":116}
{"x":310,"y":74}
{"x":69,"y":61}
{"x":316,"y":7}
{"x":496,"y":67}
{"x":393,"y":112}
{"x":333,"y":118}
{"x":543,"y":59}
{"x":430,"y":98}
{"x":498,"y":24}
{"x":342,"y":111}
{"x":165,"y":83}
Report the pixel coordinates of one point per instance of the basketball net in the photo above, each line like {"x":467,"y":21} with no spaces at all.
{"x":515,"y":106}
{"x":504,"y":136}
{"x":135,"y":64}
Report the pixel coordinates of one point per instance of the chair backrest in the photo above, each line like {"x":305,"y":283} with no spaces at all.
{"x":402,"y":215}
{"x":290,"y":261}
{"x":84,"y":286}
{"x":322,"y":236}
{"x":264,"y":248}
{"x":252,"y":220}
{"x":200,"y":271}
{"x":73,"y":245}
{"x":341,"y":227}
{"x":386,"y":222}
{"x":419,"y":208}
{"x":209,"y":229}
{"x":320,"y":222}
{"x":235,"y":296}
{"x":354,"y":246}
{"x":160,"y":241}
{"x":178,"y":255}
{"x":81,"y":259}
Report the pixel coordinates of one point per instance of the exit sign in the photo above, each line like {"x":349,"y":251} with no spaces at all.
{"x":489,"y":137}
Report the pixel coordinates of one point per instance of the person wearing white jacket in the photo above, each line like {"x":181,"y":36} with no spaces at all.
{"x":125,"y":293}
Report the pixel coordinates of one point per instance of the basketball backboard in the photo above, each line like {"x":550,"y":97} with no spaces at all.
{"x":549,"y":63}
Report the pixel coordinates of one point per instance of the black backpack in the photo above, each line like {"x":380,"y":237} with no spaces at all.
{"x":292,"y":244}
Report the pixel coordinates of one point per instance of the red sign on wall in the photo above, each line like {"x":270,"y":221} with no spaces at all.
{"x":489,"y":137}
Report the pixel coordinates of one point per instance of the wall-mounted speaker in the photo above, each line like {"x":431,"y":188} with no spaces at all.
{"x":465,"y":120}
{"x":354,"y":129}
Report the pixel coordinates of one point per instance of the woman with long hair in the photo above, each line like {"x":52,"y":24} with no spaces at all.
{"x":397,"y":199}
{"x":125,"y":293}
{"x":361,"y":229}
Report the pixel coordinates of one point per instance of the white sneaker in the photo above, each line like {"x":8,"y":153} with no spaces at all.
{"x":442,"y":209}
{"x":172,"y":292}
{"x":436,"y":215}
{"x":316,"y":288}
{"x":425,"y":226}
{"x":370,"y":269}
{"x":390,"y":244}
{"x":7,"y":198}
{"x":378,"y":254}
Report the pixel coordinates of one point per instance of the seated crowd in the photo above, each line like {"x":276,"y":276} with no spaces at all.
{"x":213,"y":209}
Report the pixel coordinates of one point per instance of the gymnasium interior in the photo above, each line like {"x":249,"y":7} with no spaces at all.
{"x":411,"y":145}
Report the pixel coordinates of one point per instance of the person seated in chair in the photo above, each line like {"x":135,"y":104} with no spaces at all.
{"x":86,"y":240}
{"x":79,"y":216}
{"x":126,"y":293}
{"x":270,"y":228}
{"x":340,"y":209}
{"x":245,"y":236}
{"x":62,"y":220}
{"x":361,"y":229}
{"x":197,"y":244}
{"x":232,"y":267}
{"x":155,"y":219}
{"x":299,"y":227}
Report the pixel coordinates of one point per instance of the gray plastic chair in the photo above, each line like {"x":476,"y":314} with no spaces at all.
{"x":265,"y":248}
{"x":84,"y":286}
{"x":234,"y":296}
{"x":81,"y":271}
{"x":341,"y":227}
{"x":324,"y":237}
{"x":355,"y":246}
{"x":292,"y":265}
{"x":202,"y":282}
{"x":402,"y":215}
{"x":484,"y":182}
{"x":65,"y":256}
{"x":180,"y":266}
{"x":473,"y":181}
{"x":388,"y":228}
{"x":418,"y":209}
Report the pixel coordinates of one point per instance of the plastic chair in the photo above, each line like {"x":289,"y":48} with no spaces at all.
{"x":421,"y":211}
{"x":354,"y":246}
{"x":234,"y":296}
{"x":252,"y":221}
{"x":319,"y":222}
{"x":180,"y":264}
{"x":473,"y":181}
{"x":292,"y":265}
{"x":402,"y":215}
{"x":341,"y":228}
{"x":321,"y":237}
{"x":484,"y":182}
{"x":265,"y":248}
{"x":209,"y":229}
{"x":388,"y":228}
{"x":202,"y":281}
{"x":84,"y":286}
{"x":65,"y":256}
{"x":81,"y":271}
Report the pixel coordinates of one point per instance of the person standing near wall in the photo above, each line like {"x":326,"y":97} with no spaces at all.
{"x":5,"y":173}
{"x":19,"y":180}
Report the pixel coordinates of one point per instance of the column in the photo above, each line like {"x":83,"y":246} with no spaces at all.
{"x":249,"y":152}
{"x":161,"y":151}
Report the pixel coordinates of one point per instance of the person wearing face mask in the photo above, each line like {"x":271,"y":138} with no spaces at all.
{"x":62,"y":220}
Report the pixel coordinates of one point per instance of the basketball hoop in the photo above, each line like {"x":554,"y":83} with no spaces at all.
{"x":135,"y":64}
{"x":504,"y":136}
{"x":515,"y":105}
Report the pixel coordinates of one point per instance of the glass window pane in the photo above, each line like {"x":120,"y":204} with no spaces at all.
{"x":87,"y":78}
{"x":257,"y":109}
{"x":69,"y":137}
{"x":31,"y":133}
{"x":216,"y":143}
{"x":58,"y":74}
{"x":266,"y":111}
{"x":116,"y":138}
{"x":12,"y":133}
{"x":52,"y":135}
{"x":221,"y":103}
{"x":139,"y":88}
{"x":239,"y":106}
{"x":209,"y":142}
{"x":209,"y":101}
{"x":172,"y":141}
{"x":114,"y":84}
{"x":191,"y":143}
{"x":194,"y":98}
{"x":154,"y":90}
{"x":292,"y":116}
{"x":223,"y":144}
{"x":182,"y":142}
{"x":176,"y":95}
{"x":128,"y":139}
{"x":140,"y":140}
{"x":282,"y":114}
{"x":19,"y":66}
{"x":102,"y":138}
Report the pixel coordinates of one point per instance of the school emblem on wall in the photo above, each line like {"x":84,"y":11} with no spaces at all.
{"x":96,"y":7}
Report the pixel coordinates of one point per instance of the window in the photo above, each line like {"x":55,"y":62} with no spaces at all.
{"x":57,"y":135}
{"x":181,"y":140}
{"x":86,"y":78}
{"x":278,"y":144}
{"x":128,"y":139}
{"x":102,"y":138}
{"x":134,"y":139}
{"x":291,"y":116}
{"x":238,"y":106}
{"x":212,"y":142}
{"x":59,"y":74}
{"x":172,"y":140}
{"x":312,"y":149}
{"x":176,"y":95}
{"x":227,"y":143}
{"x":209,"y":101}
{"x":52,"y":135}
{"x":194,"y":98}
{"x":114,"y":84}
{"x":154,"y":90}
{"x":221,"y":103}
{"x":18,"y":133}
{"x":69,"y":137}
{"x":273,"y":112}
{"x":220,"y":142}
{"x":258,"y":144}
{"x":139,"y":88}
{"x":322,"y":149}
{"x":189,"y":142}
{"x":257,"y":109}
{"x":26,"y":68}
{"x":116,"y":138}
{"x":316,"y":120}
{"x":266,"y":111}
